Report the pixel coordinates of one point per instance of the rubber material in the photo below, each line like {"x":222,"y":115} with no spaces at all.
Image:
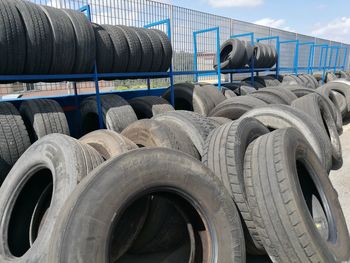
{"x":148,"y":106}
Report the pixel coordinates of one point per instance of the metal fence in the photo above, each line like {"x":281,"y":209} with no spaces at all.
{"x":183,"y":23}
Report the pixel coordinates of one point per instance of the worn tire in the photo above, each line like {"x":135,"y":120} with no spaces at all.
{"x":104,"y":50}
{"x":234,"y":108}
{"x":147,"y":49}
{"x":280,"y":191}
{"x":298,"y":91}
{"x":340,"y":87}
{"x":224,"y":154}
{"x":14,"y":139}
{"x":43,"y":117}
{"x":157,"y":48}
{"x":282,"y":116}
{"x":108,"y":143}
{"x":153,"y":133}
{"x":228,"y":93}
{"x":167,"y":50}
{"x":275,"y":95}
{"x":39,"y":38}
{"x":340,"y":101}
{"x":317,"y":108}
{"x":196,"y":127}
{"x":148,"y":106}
{"x":154,"y":170}
{"x":85,"y":42}
{"x":56,"y":160}
{"x":117,"y":113}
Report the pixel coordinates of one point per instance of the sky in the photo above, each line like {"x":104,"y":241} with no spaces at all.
{"x":322,"y":18}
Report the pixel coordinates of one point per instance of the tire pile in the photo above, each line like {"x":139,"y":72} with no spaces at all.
{"x":44,"y":40}
{"x":237,"y":54}
{"x":219,"y":179}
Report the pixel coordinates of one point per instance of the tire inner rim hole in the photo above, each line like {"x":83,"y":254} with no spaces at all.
{"x":29,"y":212}
{"x":172,"y":231}
{"x":225,"y":53}
{"x":316,"y":202}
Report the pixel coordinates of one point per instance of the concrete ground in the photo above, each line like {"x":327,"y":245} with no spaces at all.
{"x":341,"y":177}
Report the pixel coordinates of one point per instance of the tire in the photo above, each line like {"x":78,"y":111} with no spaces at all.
{"x":56,"y":160}
{"x":104,"y":50}
{"x":228,"y":93}
{"x":14,"y":139}
{"x":341,"y":102}
{"x":157,"y":48}
{"x":342,"y":88}
{"x":275,"y":96}
{"x":213,"y":94}
{"x":121,"y":49}
{"x":43,"y":117}
{"x":13,"y":39}
{"x":167,"y":50}
{"x":64,"y":44}
{"x":282,"y":116}
{"x":153,"y":133}
{"x":135,"y":49}
{"x":153,"y":170}
{"x":260,"y":55}
{"x":108,"y":143}
{"x":149,"y":106}
{"x":245,"y":90}
{"x":195,"y":126}
{"x":147,"y":49}
{"x":224,"y":154}
{"x":232,"y":55}
{"x":117,"y":113}
{"x":281,"y":191}
{"x":220,"y":120}
{"x":249,"y":52}
{"x":306,"y":81}
{"x":292,"y":80}
{"x":190,"y":97}
{"x":39,"y":38}
{"x":85,"y":42}
{"x":298,"y":91}
{"x":256,"y":85}
{"x":318,"y":109}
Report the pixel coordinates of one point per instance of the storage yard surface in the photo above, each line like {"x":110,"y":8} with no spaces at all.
{"x":341,"y":177}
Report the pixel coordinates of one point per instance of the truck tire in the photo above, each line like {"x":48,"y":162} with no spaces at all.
{"x":282,"y":191}
{"x":282,"y":116}
{"x":340,"y":87}
{"x":154,"y":170}
{"x":43,"y":117}
{"x":104,"y":50}
{"x":298,"y":91}
{"x":153,"y":133}
{"x":167,"y":50}
{"x":117,"y":113}
{"x":157,"y":48}
{"x":317,"y":108}
{"x":234,"y":108}
{"x":148,"y":106}
{"x":108,"y":143}
{"x":57,"y":161}
{"x":283,"y":96}
{"x":14,"y":139}
{"x":147,"y":49}
{"x":224,"y":154}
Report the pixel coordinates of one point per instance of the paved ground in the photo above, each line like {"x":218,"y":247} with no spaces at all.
{"x":341,"y":178}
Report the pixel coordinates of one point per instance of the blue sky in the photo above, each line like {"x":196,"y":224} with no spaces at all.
{"x":324,"y":19}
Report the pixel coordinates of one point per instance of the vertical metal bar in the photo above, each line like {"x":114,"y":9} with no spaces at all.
{"x":325,"y":65}
{"x":330,"y":57}
{"x":278,"y":47}
{"x":309,"y":60}
{"x":195,"y":67}
{"x":296,"y":57}
{"x":172,"y":94}
{"x":252,"y":60}
{"x":344,"y":59}
{"x":148,"y":86}
{"x":336,"y":59}
{"x":218,"y":56}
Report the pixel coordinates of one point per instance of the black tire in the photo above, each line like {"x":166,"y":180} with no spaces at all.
{"x":12,"y":37}
{"x":327,"y":93}
{"x":147,"y":49}
{"x":121,"y":49}
{"x":39,"y":38}
{"x":148,"y":106}
{"x":224,"y":154}
{"x":235,"y":107}
{"x":281,"y":190}
{"x":167,"y":50}
{"x":43,"y":117}
{"x":248,"y":52}
{"x":259,"y":55}
{"x":104,"y":50}
{"x":85,"y":42}
{"x":245,"y":90}
{"x":64,"y":44}
{"x":282,"y":116}
{"x":194,"y":125}
{"x":14,"y":139}
{"x":108,"y":143}
{"x":190,"y":97}
{"x":117,"y":113}
{"x":318,"y":109}
{"x":232,"y":55}
{"x":56,"y":160}
{"x":275,"y":96}
{"x":153,"y":170}
{"x":153,"y":133}
{"x":340,"y":87}
{"x":157,"y":48}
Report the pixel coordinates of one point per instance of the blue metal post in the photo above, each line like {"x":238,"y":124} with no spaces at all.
{"x":171,"y":72}
{"x":344,"y":59}
{"x":148,"y":86}
{"x":87,"y":9}
{"x":325,"y":65}
{"x":336,"y":59}
{"x":218,"y":71}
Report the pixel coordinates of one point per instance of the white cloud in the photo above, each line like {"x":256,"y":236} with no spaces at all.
{"x":337,"y":30}
{"x":274,"y":23}
{"x":234,"y":3}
